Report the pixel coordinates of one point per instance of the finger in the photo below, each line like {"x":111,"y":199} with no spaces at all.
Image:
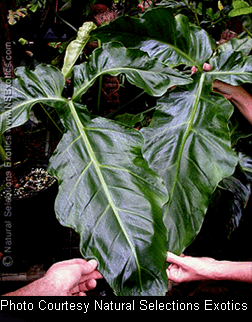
{"x":79,"y":294}
{"x":207,"y":67}
{"x":94,"y":275}
{"x":174,"y":259}
{"x":85,"y":286}
{"x":169,"y":275}
{"x":194,"y":69}
{"x":88,"y":267}
{"x":70,"y":262}
{"x":75,"y":289}
{"x":93,"y":264}
{"x":88,"y":285}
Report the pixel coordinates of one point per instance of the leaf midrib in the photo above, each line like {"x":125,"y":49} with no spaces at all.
{"x":30,"y":102}
{"x":229,"y":72}
{"x":179,"y":51}
{"x":187,"y":132}
{"x":173,"y":47}
{"x":103,"y":183}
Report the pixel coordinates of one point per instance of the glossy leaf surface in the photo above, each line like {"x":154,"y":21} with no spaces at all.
{"x":240,"y":8}
{"x":187,"y":143}
{"x":173,"y":41}
{"x":113,"y":180}
{"x":107,"y":192}
{"x":231,"y":67}
{"x":43,"y":85}
{"x":240,"y":195}
{"x":243,"y":45}
{"x":140,"y":70}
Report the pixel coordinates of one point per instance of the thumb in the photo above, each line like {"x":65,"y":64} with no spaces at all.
{"x":174,"y":259}
{"x":88,"y":267}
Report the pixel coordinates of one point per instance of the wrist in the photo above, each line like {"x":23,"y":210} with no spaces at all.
{"x":49,"y":287}
{"x":234,"y":271}
{"x":32,"y":289}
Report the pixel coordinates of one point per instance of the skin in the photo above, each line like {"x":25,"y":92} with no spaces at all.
{"x":235,"y":94}
{"x":238,"y":96}
{"x":72,"y":277}
{"x":186,"y":269}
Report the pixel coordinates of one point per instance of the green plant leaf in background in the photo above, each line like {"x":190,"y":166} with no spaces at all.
{"x":75,"y":48}
{"x":244,"y":45}
{"x":129,"y":119}
{"x":240,"y":196}
{"x":231,"y":67}
{"x":240,"y":8}
{"x":245,"y":162}
{"x":173,"y":40}
{"x":45,"y":85}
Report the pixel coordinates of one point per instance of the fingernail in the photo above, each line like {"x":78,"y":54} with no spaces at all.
{"x":93,"y":262}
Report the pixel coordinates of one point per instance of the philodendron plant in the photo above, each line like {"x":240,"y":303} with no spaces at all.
{"x":132,"y":195}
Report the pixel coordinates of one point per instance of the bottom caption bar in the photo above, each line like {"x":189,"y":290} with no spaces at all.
{"x":84,"y":305}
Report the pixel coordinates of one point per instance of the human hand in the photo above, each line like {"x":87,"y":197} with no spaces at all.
{"x":187,"y":268}
{"x":72,"y":277}
{"x":228,"y":91}
{"x":235,"y":94}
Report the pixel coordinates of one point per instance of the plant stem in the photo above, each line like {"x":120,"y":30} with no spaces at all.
{"x":49,"y":116}
{"x":247,"y":31}
{"x":58,"y":16}
{"x":147,"y":111}
{"x":194,"y":10}
{"x":217,"y":21}
{"x":99,"y":86}
{"x":123,"y":106}
{"x":197,"y":19}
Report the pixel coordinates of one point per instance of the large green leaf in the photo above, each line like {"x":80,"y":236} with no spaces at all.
{"x":113,"y":200}
{"x":231,"y":67}
{"x":240,"y":8}
{"x":18,"y":96}
{"x":188,"y":144}
{"x":172,"y":40}
{"x":140,"y":70}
